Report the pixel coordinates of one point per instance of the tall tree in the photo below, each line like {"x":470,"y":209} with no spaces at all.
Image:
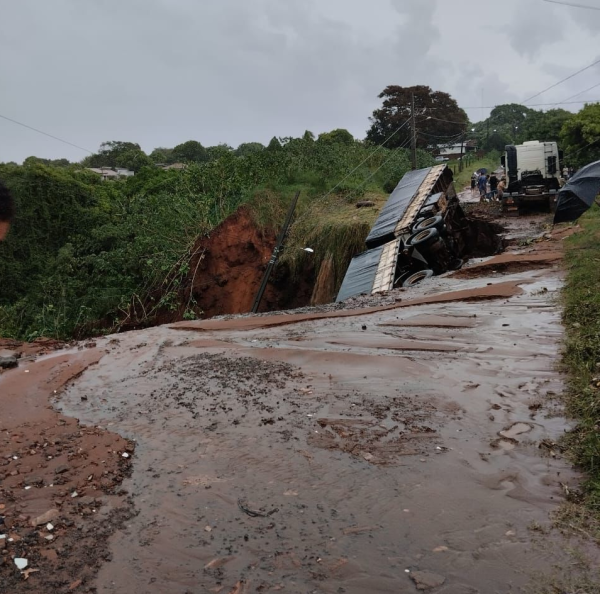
{"x":249,"y":148}
{"x":162,"y":154}
{"x":439,"y":118}
{"x":580,"y":136}
{"x":190,"y":152}
{"x":110,"y":154}
{"x":544,"y":126}
{"x":338,"y":136}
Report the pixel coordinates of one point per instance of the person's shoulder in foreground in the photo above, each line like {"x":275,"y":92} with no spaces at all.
{"x":7,"y":210}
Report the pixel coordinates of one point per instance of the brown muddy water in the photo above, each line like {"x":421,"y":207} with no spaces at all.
{"x":340,"y":455}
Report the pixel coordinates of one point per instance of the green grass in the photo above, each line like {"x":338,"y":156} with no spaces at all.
{"x":462,"y":178}
{"x":332,"y":227}
{"x":581,"y":356}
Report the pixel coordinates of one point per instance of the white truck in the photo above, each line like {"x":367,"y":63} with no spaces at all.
{"x":532,"y":176}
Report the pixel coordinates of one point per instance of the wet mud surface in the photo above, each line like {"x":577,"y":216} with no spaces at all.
{"x":59,"y":482}
{"x":391,"y":449}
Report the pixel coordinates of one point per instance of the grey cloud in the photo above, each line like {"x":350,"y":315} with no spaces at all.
{"x":160,"y":72}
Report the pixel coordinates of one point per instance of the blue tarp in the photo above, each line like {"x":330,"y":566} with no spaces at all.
{"x":578,"y":194}
{"x":399,"y":201}
{"x":360,"y":275}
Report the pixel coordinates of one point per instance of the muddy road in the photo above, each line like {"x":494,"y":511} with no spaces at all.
{"x":406,"y":447}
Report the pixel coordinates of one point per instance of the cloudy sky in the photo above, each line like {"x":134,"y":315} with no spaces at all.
{"x":160,"y":72}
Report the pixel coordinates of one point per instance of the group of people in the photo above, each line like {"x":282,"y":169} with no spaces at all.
{"x":489,"y":186}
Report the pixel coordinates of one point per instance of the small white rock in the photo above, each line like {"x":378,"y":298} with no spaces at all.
{"x":49,"y":537}
{"x":28,"y":487}
{"x":74,"y":494}
{"x":27,"y":371}
{"x":125,"y":455}
{"x":49,"y":527}
{"x":20,"y":562}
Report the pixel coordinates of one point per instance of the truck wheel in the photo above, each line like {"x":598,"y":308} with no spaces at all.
{"x":436,"y":222}
{"x":417,"y":277}
{"x":422,"y":239}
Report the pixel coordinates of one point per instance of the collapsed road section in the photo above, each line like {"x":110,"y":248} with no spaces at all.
{"x":422,"y":231}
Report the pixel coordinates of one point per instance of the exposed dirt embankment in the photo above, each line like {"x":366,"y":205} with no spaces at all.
{"x":227,"y":268}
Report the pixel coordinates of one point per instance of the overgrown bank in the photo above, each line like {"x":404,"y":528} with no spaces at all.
{"x":582,"y":349}
{"x":84,"y":255}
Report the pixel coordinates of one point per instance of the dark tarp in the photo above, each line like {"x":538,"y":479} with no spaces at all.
{"x":578,"y":194}
{"x":360,"y":275}
{"x":399,"y":200}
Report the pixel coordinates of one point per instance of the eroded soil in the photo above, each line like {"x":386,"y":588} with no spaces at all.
{"x":406,"y":442}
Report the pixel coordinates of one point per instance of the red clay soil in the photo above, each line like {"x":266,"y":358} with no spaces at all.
{"x":39,"y":346}
{"x":59,"y":482}
{"x":495,"y":291}
{"x":227,"y":269}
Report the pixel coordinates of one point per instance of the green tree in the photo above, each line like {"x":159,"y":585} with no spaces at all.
{"x":544,"y":126}
{"x":162,"y":155}
{"x":438,"y":117}
{"x":338,"y":135}
{"x":249,"y":148}
{"x":134,"y":160}
{"x":580,"y":136}
{"x":218,"y":151}
{"x":110,"y":154}
{"x":274,"y":144}
{"x":190,"y":152}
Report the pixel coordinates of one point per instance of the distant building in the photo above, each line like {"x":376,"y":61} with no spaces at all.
{"x":454,"y":151}
{"x":107,"y":173}
{"x":177,"y":166}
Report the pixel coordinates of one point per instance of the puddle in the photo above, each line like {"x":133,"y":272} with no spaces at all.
{"x":515,"y":430}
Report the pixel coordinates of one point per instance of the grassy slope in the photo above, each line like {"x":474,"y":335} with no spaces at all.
{"x":463,"y":178}
{"x":582,"y":348}
{"x":332,"y":227}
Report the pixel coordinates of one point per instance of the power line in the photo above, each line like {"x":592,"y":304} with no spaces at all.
{"x":536,"y":104}
{"x":46,"y":134}
{"x":560,"y":82}
{"x":577,"y":95}
{"x":573,"y":4}
{"x":366,"y":159}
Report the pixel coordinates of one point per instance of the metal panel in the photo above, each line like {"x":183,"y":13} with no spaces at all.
{"x":360,"y":276}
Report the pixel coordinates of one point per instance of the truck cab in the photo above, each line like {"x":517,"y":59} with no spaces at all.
{"x":533,"y":175}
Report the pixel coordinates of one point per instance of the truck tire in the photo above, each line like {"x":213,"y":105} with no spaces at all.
{"x":511,"y":165}
{"x":435,"y":222}
{"x":422,"y":239}
{"x":417,"y":277}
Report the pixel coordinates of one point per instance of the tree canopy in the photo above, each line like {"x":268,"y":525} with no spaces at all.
{"x":190,"y":152}
{"x":580,"y":136}
{"x":439,"y":118}
{"x":249,"y":148}
{"x":339,"y":135}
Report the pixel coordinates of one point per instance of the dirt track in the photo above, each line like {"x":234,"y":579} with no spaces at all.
{"x":411,"y":444}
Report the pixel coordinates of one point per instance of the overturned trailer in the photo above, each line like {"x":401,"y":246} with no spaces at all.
{"x":421,"y":231}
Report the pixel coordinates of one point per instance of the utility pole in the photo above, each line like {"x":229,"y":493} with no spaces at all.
{"x":275,"y":256}
{"x":413,"y":134}
{"x":462,"y":151}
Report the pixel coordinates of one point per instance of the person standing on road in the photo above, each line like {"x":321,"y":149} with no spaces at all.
{"x":482,"y":185}
{"x":473,"y":182}
{"x":493,"y":185}
{"x":7,"y":210}
{"x":501,"y":188}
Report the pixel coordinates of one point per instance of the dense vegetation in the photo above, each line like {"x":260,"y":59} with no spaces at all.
{"x":83,"y":254}
{"x":82,"y":251}
{"x":582,"y":352}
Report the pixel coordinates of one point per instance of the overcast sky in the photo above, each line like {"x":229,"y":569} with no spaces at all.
{"x":159,"y":72}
